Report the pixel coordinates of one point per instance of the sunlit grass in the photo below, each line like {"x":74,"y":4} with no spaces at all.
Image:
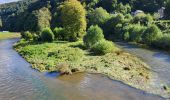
{"x":9,"y":35}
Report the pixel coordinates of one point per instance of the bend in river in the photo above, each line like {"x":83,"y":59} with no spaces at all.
{"x":19,"y":82}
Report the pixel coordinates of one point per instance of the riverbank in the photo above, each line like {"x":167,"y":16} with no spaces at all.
{"x":9,"y":35}
{"x":70,"y":57}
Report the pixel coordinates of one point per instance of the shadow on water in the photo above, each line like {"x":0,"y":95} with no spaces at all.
{"x":53,"y":74}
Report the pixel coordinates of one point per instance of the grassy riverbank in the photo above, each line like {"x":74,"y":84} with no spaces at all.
{"x":8,"y":35}
{"x":71,"y":57}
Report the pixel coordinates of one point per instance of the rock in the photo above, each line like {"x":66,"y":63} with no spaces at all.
{"x":126,"y":68}
{"x":74,"y":70}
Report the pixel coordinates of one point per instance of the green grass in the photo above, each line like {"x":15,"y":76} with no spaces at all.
{"x":72,"y":56}
{"x":8,"y":35}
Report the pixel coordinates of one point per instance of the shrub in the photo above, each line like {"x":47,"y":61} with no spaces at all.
{"x":47,"y":35}
{"x":27,"y":35}
{"x":162,"y":43}
{"x":103,"y":47}
{"x":94,"y":35}
{"x":151,"y":34}
{"x":126,"y":36}
{"x":135,"y":32}
{"x":143,"y":19}
{"x":98,"y":17}
{"x":59,"y":33}
{"x":110,"y":27}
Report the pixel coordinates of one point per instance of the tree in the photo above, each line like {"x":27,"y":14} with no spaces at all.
{"x":167,"y":13}
{"x":98,"y":17}
{"x":73,"y":17}
{"x":124,"y":9}
{"x":144,"y":19}
{"x":109,"y":5}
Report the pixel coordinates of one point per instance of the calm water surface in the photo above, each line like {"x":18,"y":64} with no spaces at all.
{"x":19,"y":82}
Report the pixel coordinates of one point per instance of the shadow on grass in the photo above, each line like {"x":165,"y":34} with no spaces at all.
{"x":81,"y":46}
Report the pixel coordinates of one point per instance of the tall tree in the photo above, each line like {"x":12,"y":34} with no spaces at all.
{"x":73,"y":17}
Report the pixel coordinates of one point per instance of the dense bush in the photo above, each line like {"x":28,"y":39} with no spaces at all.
{"x":103,"y":47}
{"x":151,"y":34}
{"x":47,"y":35}
{"x":98,"y":17}
{"x":109,"y":5}
{"x":73,"y":17}
{"x":144,"y":19}
{"x":94,"y":35}
{"x":162,"y":43}
{"x":110,"y":27}
{"x":124,"y":9}
{"x":135,"y":32}
{"x":59,"y":33}
{"x":27,"y":35}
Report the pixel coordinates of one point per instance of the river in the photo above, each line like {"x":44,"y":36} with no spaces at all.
{"x":19,"y":82}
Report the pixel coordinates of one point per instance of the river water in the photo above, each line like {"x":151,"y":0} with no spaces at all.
{"x":159,"y":61}
{"x":19,"y":82}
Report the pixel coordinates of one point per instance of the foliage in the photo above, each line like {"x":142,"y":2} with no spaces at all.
{"x":162,"y":43}
{"x":98,"y":17}
{"x":135,"y":32}
{"x":109,"y":5}
{"x":67,"y":54}
{"x":94,"y":35}
{"x":151,"y":34}
{"x":124,"y":9}
{"x":74,"y":19}
{"x":59,"y":33}
{"x":144,"y":19}
{"x":27,"y":35}
{"x":113,"y":25}
{"x":103,"y":47}
{"x":167,"y":6}
{"x":47,"y":35}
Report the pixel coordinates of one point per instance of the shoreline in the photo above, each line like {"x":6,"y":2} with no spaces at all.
{"x":142,"y":72}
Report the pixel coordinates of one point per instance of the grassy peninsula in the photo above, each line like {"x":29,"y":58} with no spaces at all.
{"x":70,"y":57}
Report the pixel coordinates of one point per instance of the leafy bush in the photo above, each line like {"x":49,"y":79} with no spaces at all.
{"x":94,"y":35}
{"x":135,"y":32}
{"x":103,"y":47}
{"x":98,"y":16}
{"x":151,"y":34}
{"x":47,"y":35}
{"x":27,"y":35}
{"x":59,"y":33}
{"x":144,"y":19}
{"x":162,"y":43}
{"x":110,"y":27}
